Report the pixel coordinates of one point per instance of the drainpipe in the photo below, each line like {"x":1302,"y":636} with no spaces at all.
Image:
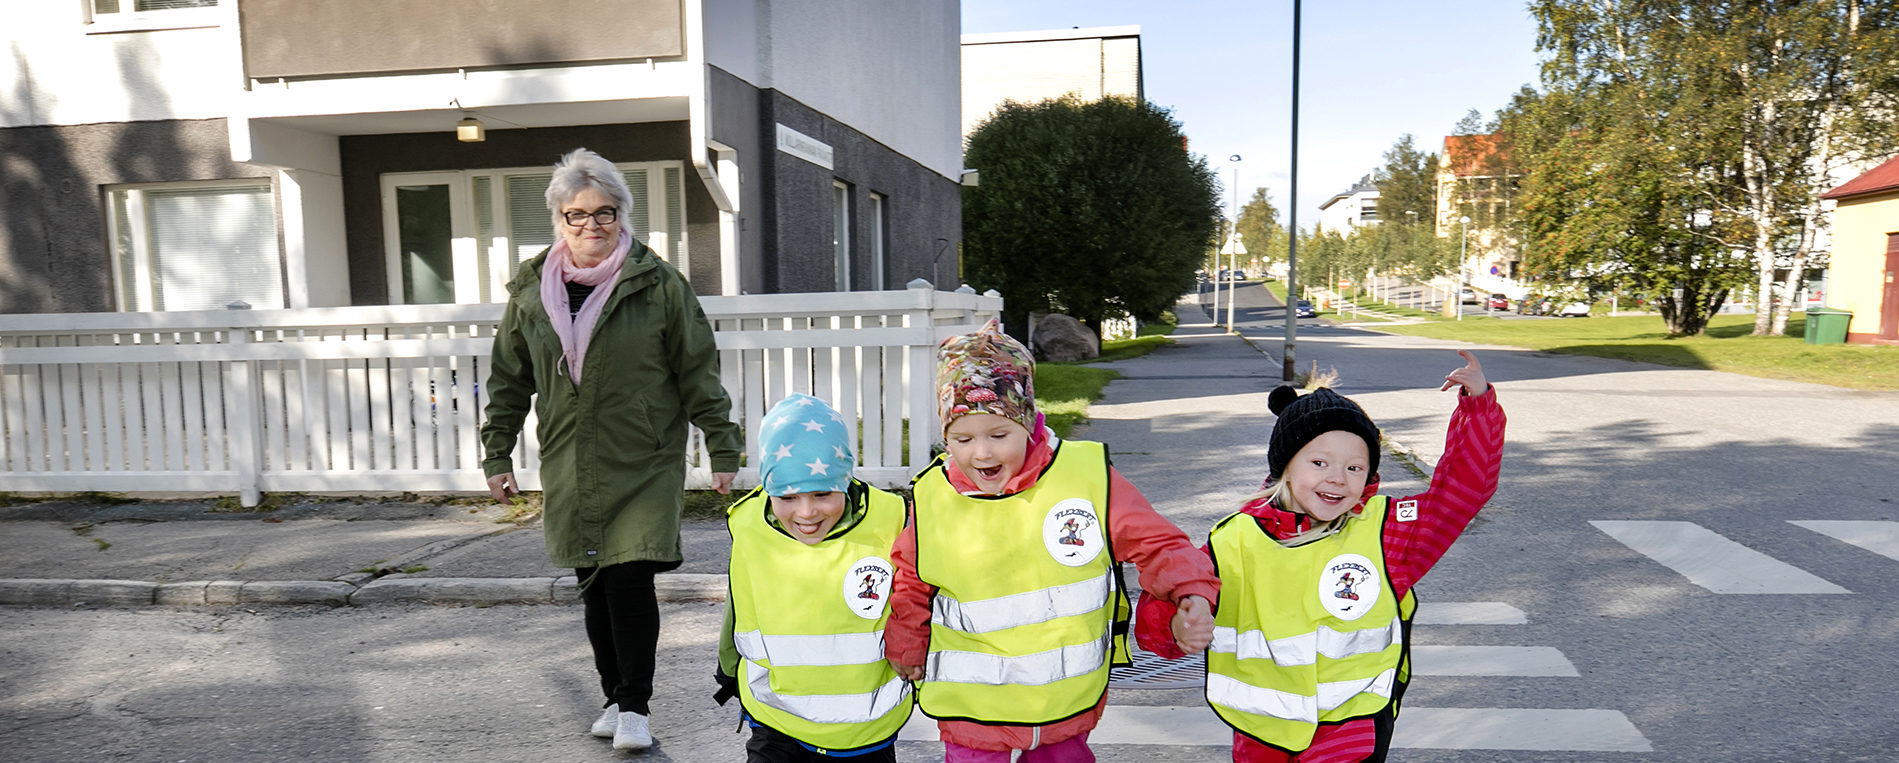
{"x":722,"y":181}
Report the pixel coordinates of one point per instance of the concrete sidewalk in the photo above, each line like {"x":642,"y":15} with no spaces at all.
{"x":1187,"y":423}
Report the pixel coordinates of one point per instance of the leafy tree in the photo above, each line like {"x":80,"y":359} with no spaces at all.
{"x":1090,"y":208}
{"x":1407,"y":183}
{"x":1260,"y":231}
{"x":1759,"y":104}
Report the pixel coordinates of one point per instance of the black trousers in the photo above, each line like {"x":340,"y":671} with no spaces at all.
{"x":769,"y":746}
{"x":622,"y":616}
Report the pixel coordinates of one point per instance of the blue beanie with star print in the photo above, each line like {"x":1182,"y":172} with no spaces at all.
{"x":804,"y":447}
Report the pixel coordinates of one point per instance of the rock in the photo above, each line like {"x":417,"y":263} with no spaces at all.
{"x":1061,"y":338}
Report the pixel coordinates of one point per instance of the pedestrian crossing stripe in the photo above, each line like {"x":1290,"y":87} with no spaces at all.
{"x":1438,"y":728}
{"x":1879,"y":537}
{"x":1712,"y":561}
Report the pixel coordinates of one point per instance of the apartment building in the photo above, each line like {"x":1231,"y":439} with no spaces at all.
{"x":1350,"y":209}
{"x":191,"y":154}
{"x":1090,"y":63}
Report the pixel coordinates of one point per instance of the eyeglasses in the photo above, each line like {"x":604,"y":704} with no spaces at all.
{"x":604,"y":216}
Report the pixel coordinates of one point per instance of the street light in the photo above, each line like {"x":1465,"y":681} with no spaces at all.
{"x":1233,"y":258}
{"x":1463,"y":243}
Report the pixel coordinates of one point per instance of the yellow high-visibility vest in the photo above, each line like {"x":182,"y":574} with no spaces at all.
{"x":1305,"y":635}
{"x":808,"y":622}
{"x":1030,"y":611}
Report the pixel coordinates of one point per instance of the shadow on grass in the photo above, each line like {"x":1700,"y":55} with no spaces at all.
{"x":1677,"y":356}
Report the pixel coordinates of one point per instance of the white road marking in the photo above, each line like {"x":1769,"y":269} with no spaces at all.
{"x":1468,"y":613}
{"x":1879,"y":537}
{"x":1492,"y":728}
{"x":1447,"y":728}
{"x":1712,"y":561}
{"x":1431,"y":660}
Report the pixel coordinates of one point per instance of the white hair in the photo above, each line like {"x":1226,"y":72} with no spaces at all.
{"x":580,"y":170}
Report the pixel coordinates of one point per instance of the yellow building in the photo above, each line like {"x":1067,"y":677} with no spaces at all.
{"x":1865,"y":264}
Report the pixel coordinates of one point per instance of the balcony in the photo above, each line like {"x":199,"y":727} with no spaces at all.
{"x":299,"y":39}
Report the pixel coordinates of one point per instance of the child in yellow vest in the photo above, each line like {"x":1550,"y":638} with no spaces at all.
{"x":802,"y":643}
{"x":1310,"y":654}
{"x":1008,"y":606}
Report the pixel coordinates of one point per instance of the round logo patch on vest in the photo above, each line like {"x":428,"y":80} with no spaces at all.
{"x":1349,"y":586}
{"x":867,"y":587}
{"x":1073,"y":532}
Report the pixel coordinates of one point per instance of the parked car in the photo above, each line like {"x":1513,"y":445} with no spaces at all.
{"x":1305,"y":310}
{"x":1574,"y":310}
{"x":1497,"y":301}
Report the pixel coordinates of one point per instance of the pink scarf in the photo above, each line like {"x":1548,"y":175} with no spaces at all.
{"x":556,"y":272}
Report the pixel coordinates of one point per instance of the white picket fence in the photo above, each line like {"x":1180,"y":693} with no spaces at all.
{"x":388,"y":398}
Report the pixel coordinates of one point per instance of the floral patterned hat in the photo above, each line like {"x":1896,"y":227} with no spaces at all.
{"x":985,"y":372}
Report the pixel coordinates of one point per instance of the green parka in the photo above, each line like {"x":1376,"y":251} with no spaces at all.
{"x":613,"y":451}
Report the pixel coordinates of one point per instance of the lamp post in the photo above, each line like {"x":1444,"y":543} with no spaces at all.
{"x":1233,"y":257}
{"x":1463,"y":243}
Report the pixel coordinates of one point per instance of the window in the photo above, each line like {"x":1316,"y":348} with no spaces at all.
{"x":459,"y":236}
{"x":841,"y":232}
{"x":195,"y":246}
{"x":135,"y":15}
{"x":879,"y":233}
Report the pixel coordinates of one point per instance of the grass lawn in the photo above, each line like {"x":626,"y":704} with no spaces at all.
{"x":1063,"y":391}
{"x":1725,"y":346}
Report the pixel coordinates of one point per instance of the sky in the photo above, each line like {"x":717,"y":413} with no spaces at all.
{"x":1370,"y":71}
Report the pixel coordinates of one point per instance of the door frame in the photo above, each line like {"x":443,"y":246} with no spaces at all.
{"x":461,"y":232}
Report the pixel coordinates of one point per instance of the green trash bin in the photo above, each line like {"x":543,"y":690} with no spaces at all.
{"x":1827,"y":326}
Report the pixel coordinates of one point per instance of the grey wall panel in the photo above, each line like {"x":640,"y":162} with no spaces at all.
{"x":366,"y":157}
{"x":299,"y":38}
{"x":54,"y":257}
{"x":735,"y":122}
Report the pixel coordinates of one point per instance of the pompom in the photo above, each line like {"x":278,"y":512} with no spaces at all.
{"x":1282,"y":396}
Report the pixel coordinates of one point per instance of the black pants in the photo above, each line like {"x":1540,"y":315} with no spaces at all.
{"x":769,"y":746}
{"x":623,"y":627}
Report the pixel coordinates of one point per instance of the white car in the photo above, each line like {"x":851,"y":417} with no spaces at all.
{"x":1574,"y":310}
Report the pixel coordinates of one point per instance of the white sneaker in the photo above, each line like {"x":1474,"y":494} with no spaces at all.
{"x":608,"y":721}
{"x":634,"y":733}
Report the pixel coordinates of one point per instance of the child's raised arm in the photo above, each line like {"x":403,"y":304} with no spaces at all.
{"x":1470,"y":377}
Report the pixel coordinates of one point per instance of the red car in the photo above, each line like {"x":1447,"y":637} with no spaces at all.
{"x":1497,"y":302}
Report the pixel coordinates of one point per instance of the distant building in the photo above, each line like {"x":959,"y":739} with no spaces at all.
{"x":179,"y":154}
{"x":1865,"y":258}
{"x":1352,"y":208}
{"x":1030,"y":67}
{"x":1475,"y":178}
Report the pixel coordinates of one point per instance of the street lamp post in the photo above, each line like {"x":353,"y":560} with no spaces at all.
{"x":1463,"y":243}
{"x":1233,"y":256}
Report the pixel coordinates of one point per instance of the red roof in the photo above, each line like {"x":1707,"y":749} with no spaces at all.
{"x":1884,"y":177}
{"x":1468,"y":155}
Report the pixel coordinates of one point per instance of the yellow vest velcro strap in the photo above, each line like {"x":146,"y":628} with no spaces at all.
{"x":1335,"y":693}
{"x":828,"y":649}
{"x":1231,"y":692}
{"x":1036,"y":669}
{"x":1304,"y":649}
{"x":827,"y":708}
{"x":1020,"y":609}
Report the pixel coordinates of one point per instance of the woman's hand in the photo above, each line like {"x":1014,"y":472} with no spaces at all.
{"x":1470,"y":377}
{"x":1193,"y":624}
{"x":722,"y":481}
{"x":911,"y":673}
{"x":503,"y":487}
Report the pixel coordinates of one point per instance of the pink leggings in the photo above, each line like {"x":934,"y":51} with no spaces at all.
{"x":1070,"y":750}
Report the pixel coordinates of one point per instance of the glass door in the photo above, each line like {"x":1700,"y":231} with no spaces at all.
{"x":429,"y":238}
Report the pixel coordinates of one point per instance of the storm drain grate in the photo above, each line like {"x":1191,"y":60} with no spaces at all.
{"x":1151,"y":672}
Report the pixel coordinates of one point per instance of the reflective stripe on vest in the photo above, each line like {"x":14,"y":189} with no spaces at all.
{"x":1029,"y":612}
{"x":808,"y":625}
{"x":1304,"y":635}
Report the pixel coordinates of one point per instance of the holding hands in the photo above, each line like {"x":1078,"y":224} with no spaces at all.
{"x":1470,"y":377}
{"x":1193,"y":624}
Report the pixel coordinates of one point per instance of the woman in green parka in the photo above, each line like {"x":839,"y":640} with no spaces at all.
{"x":610,"y":345}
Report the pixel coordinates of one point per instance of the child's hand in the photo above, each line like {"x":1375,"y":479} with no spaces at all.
{"x":914,"y":673}
{"x":1193,"y":624}
{"x":1471,"y":376}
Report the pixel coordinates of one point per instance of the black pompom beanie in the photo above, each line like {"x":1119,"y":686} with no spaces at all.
{"x":1302,"y":418}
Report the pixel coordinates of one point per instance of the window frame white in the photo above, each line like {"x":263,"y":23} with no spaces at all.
{"x":666,"y":237}
{"x":879,"y":238}
{"x":141,"y":277}
{"x":112,"y":22}
{"x":841,"y":233}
